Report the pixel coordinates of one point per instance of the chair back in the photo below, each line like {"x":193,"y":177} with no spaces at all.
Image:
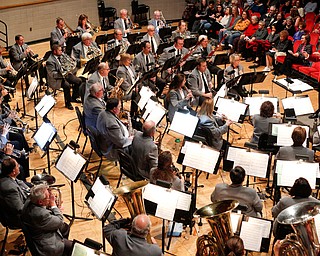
{"x":93,"y":136}
{"x":81,"y":120}
{"x":128,"y":166}
{"x":204,"y":135}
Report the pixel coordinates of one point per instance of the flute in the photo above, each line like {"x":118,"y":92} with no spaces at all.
{"x":223,"y":116}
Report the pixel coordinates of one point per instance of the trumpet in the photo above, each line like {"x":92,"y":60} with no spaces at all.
{"x":57,"y":194}
{"x":14,"y":152}
{"x":15,"y":115}
{"x":93,"y":27}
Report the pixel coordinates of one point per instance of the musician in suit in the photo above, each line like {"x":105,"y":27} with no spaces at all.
{"x":44,"y":224}
{"x":84,"y":49}
{"x":156,"y":21}
{"x":199,"y":81}
{"x":56,"y":80}
{"x":153,"y":38}
{"x":93,"y":104}
{"x":113,"y":134}
{"x":290,"y":152}
{"x":19,"y":52}
{"x":13,"y":192}
{"x":144,"y":150}
{"x":6,"y":72}
{"x":236,"y":191}
{"x":123,"y":23}
{"x":59,"y":35}
{"x":181,"y":30}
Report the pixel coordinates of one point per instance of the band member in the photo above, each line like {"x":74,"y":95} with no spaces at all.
{"x":19,"y":52}
{"x":59,"y":34}
{"x":83,"y":25}
{"x":6,"y":70}
{"x":181,"y":30}
{"x":123,"y":23}
{"x":85,"y":49}
{"x":156,"y":21}
{"x":154,"y":39}
{"x":118,"y":40}
{"x":56,"y":80}
{"x":200,"y":81}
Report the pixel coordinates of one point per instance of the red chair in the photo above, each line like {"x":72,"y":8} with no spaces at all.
{"x":296,"y":44}
{"x":256,"y":14}
{"x":314,"y":38}
{"x":309,"y":26}
{"x":308,"y":70}
{"x":316,"y":75}
{"x":310,"y":16}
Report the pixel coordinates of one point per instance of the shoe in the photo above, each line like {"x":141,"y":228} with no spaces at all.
{"x":69,"y":106}
{"x":77,"y":100}
{"x":266,"y":69}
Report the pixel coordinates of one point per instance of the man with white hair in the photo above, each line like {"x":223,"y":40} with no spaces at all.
{"x":156,"y":21}
{"x":152,"y":38}
{"x":123,"y":23}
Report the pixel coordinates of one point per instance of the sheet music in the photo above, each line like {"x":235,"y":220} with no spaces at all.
{"x":289,"y":171}
{"x":145,"y":94}
{"x":202,"y":158}
{"x":82,"y":250}
{"x":70,"y":164}
{"x":251,"y":234}
{"x":148,"y":108}
{"x":184,"y":124}
{"x":184,"y":200}
{"x":254,"y":163}
{"x":301,"y":105}
{"x":231,"y":109}
{"x":44,"y":134}
{"x":44,"y":106}
{"x":32,"y":87}
{"x":297,"y":85}
{"x":167,"y":204}
{"x":284,"y":132}
{"x":265,"y":226}
{"x":156,"y":114}
{"x":256,"y":102}
{"x":221,"y":93}
{"x":235,"y":218}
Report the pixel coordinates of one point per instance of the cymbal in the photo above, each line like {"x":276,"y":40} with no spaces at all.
{"x":130,"y":187}
{"x":216,"y":208}
{"x":43,"y":178}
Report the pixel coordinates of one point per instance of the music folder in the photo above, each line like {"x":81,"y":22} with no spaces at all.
{"x":301,"y":104}
{"x":184,"y":123}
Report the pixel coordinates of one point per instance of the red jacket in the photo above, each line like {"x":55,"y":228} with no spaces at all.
{"x":251,"y":29}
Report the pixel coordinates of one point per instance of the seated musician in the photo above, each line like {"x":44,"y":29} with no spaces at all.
{"x":216,"y":125}
{"x":236,"y":191}
{"x":123,"y":23}
{"x":179,"y":97}
{"x":56,"y":80}
{"x":19,"y":52}
{"x":134,"y":243}
{"x":167,"y":172}
{"x":298,"y":136}
{"x":157,"y":21}
{"x":83,"y":25}
{"x":182,"y":30}
{"x":261,"y":121}
{"x":59,"y":34}
{"x":85,"y":50}
{"x":153,"y":38}
{"x":144,"y":150}
{"x":199,"y":81}
{"x":93,"y":104}
{"x":113,"y":133}
{"x":13,"y":192}
{"x":6,"y":71}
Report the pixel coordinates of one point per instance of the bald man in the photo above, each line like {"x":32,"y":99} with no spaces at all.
{"x":144,"y":150}
{"x":134,"y":243}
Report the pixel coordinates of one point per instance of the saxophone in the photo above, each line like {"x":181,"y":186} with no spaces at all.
{"x":117,"y":92}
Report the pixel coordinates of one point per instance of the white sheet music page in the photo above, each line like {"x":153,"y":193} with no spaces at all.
{"x":301,"y":105}
{"x":70,"y":164}
{"x":32,"y":87}
{"x":184,"y":124}
{"x":289,"y":171}
{"x":148,"y":108}
{"x":151,"y":192}
{"x":251,"y":234}
{"x":156,"y":114}
{"x":231,"y":109}
{"x":145,"y":94}
{"x":167,"y":204}
{"x":201,"y":158}
{"x":284,"y":133}
{"x":235,"y":218}
{"x":45,"y":104}
{"x":184,"y":200}
{"x":297,"y":85}
{"x":221,"y":93}
{"x":256,"y":102}
{"x":265,"y":225}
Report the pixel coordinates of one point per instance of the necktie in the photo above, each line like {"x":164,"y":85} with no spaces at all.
{"x":206,"y":88}
{"x":59,"y":59}
{"x":21,"y":47}
{"x":152,"y":45}
{"x":125,"y":25}
{"x":147,"y":62}
{"x":104,"y":83}
{"x":204,"y":53}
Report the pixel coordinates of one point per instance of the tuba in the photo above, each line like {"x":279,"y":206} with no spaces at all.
{"x":304,"y":241}
{"x":218,"y":217}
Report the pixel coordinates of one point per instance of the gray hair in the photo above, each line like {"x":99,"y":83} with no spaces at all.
{"x":85,"y":36}
{"x":94,"y":88}
{"x":37,"y":193}
{"x":150,"y":27}
{"x":138,"y":231}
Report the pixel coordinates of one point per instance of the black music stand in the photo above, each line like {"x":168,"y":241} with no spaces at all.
{"x":252,"y":78}
{"x":189,"y":65}
{"x":134,"y":49}
{"x":170,"y":63}
{"x":149,"y":74}
{"x":91,"y":66}
{"x":165,"y":32}
{"x":135,"y":37}
{"x":221,"y":59}
{"x":189,"y":42}
{"x":161,"y":47}
{"x":111,"y":54}
{"x":103,"y":39}
{"x":71,"y":41}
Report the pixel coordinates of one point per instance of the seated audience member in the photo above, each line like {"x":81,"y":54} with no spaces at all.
{"x":43,"y":221}
{"x":13,"y":192}
{"x":232,"y":22}
{"x":167,"y":172}
{"x":144,"y":150}
{"x":289,"y":26}
{"x":295,"y":16}
{"x":179,"y":96}
{"x":93,"y":105}
{"x":270,"y":17}
{"x":134,"y":244}
{"x":216,"y":124}
{"x":311,"y":6}
{"x":222,"y":21}
{"x":286,"y":7}
{"x":291,"y":152}
{"x":236,"y":191}
{"x":259,"y":7}
{"x":113,"y":134}
{"x":234,"y":246}
{"x":280,"y":22}
{"x":261,"y":121}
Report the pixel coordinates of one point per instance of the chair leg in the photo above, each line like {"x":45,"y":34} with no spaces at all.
{"x":119,"y":180}
{"x":4,"y":241}
{"x":78,"y":136}
{"x":84,"y":145}
{"x":89,"y":158}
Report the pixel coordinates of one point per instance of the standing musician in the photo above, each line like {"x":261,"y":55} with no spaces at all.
{"x":199,"y":81}
{"x":156,"y":21}
{"x":19,"y":52}
{"x":153,"y":38}
{"x":181,"y":30}
{"x":123,"y":23}
{"x":56,"y":80}
{"x":83,"y":25}
{"x":59,"y":34}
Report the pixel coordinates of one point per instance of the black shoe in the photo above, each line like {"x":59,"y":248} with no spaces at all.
{"x":69,"y":106}
{"x":77,"y":100}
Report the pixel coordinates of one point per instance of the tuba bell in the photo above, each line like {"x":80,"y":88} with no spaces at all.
{"x":304,"y":241}
{"x":217,"y":215}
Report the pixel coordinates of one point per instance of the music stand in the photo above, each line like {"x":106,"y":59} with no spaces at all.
{"x":252,"y":78}
{"x":161,"y":47}
{"x":150,"y":74}
{"x":111,"y":54}
{"x":72,"y":41}
{"x":103,"y":39}
{"x":132,"y":38}
{"x":163,"y":32}
{"x":71,"y":163}
{"x":189,"y":42}
{"x":189,"y":65}
{"x":170,"y":63}
{"x":45,"y":105}
{"x":91,"y":65}
{"x":79,"y":248}
{"x":134,"y":49}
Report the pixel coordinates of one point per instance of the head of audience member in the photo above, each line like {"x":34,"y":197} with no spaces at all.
{"x":157,"y":15}
{"x":254,"y":19}
{"x":245,"y":15}
{"x":298,"y":136}
{"x":301,"y":188}
{"x":19,"y":40}
{"x":103,"y":69}
{"x":148,"y":129}
{"x":178,"y":42}
{"x":301,"y":26}
{"x":267,"y":109}
{"x":234,"y":60}
{"x":40,"y":195}
{"x":146,"y":47}
{"x":10,"y":168}
{"x":204,"y":43}
{"x":234,"y":11}
{"x":289,"y":21}
{"x":272,"y":10}
{"x":60,"y":23}
{"x":228,"y":11}
{"x":273,"y":29}
{"x":113,"y":105}
{"x":141,"y":226}
{"x":234,"y":246}
{"x":237,"y":175}
{"x":82,"y":21}
{"x":182,"y":26}
{"x":96,"y":90}
{"x":123,"y":14}
{"x":305,"y":39}
{"x":283,"y":35}
{"x":287,"y":3}
{"x":219,"y":9}
{"x":294,"y":12}
{"x":177,"y":82}
{"x":57,"y":50}
{"x":118,"y":35}
{"x":262,"y":24}
{"x":211,"y":5}
{"x":151,"y":30}
{"x":298,"y":4}
{"x":280,"y":17}
{"x":125,"y":59}
{"x":201,"y":65}
{"x":206,"y":107}
{"x":86,"y":38}
{"x":234,"y":2}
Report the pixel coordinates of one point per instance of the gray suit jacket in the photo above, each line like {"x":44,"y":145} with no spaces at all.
{"x":183,"y":35}
{"x":54,"y":75}
{"x":228,"y":74}
{"x":176,"y":102}
{"x":91,"y":109}
{"x":3,"y":66}
{"x":261,"y":125}
{"x":156,"y":37}
{"x":167,"y":54}
{"x":43,"y":226}
{"x":144,"y":153}
{"x":56,"y":37}
{"x":95,"y":78}
{"x":290,"y":152}
{"x":195,"y":82}
{"x":78,"y":51}
{"x":122,"y":72}
{"x":17,"y":56}
{"x":111,"y":134}
{"x":139,"y":62}
{"x":118,"y":25}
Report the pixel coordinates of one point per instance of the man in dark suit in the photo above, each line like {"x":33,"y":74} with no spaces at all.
{"x":153,"y":38}
{"x":93,"y":105}
{"x":44,"y":224}
{"x":144,"y":150}
{"x":58,"y":35}
{"x":13,"y":192}
{"x":123,"y":23}
{"x":56,"y":80}
{"x":19,"y":52}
